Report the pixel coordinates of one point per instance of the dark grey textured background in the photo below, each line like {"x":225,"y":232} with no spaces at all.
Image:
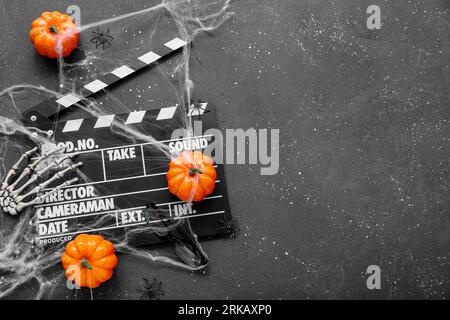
{"x":364,"y":159}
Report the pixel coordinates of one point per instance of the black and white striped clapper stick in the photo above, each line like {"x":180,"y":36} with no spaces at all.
{"x":131,"y":118}
{"x":43,"y":111}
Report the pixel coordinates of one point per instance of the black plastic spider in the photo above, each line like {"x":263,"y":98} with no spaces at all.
{"x":197,"y":109}
{"x":231,"y":227}
{"x":151,"y":290}
{"x":102,"y":38}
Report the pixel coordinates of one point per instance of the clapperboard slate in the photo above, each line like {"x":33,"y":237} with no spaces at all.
{"x":124,"y":174}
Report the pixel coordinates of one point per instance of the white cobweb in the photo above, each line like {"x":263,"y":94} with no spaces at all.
{"x":121,"y":38}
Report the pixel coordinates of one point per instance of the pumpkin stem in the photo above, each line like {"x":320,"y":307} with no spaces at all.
{"x":85,"y":264}
{"x":53,"y":29}
{"x":193,"y":171}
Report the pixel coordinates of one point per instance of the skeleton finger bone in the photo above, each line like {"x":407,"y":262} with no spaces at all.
{"x":12,"y":199}
{"x":11,"y":173}
{"x":41,"y":187}
{"x":41,"y":199}
{"x":32,"y":167}
{"x":54,"y":165}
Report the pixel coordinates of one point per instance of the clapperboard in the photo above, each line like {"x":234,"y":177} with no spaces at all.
{"x":123,"y":173}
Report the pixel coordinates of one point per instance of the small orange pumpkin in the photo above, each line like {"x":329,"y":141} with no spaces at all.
{"x":89,"y":260}
{"x":191,"y":176}
{"x":54,"y":34}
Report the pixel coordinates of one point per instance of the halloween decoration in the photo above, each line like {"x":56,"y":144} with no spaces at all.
{"x":191,"y":176}
{"x":231,"y":227}
{"x":89,"y":260}
{"x":54,"y":34}
{"x":198,"y":108}
{"x":14,"y":193}
{"x":151,"y":290}
{"x":102,"y":38}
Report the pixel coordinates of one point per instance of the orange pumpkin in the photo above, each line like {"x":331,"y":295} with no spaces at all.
{"x":191,"y":176}
{"x":92,"y":257}
{"x":54,"y":34}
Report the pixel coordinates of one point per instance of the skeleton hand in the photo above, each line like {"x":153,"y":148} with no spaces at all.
{"x":11,"y":193}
